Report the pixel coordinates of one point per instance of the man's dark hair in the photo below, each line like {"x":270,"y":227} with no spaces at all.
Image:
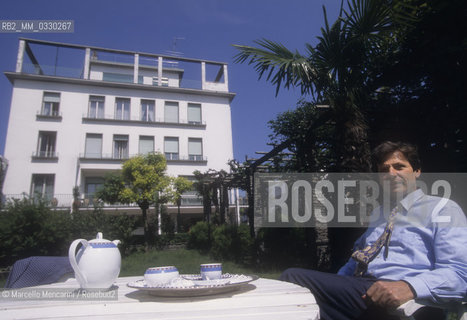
{"x":385,"y":149}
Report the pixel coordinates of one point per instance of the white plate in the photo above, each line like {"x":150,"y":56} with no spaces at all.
{"x":225,"y":279}
{"x":193,"y":285}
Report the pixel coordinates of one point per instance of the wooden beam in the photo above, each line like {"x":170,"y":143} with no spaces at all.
{"x":323,"y":118}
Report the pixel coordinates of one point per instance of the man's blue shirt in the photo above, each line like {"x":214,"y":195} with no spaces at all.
{"x":428,"y":248}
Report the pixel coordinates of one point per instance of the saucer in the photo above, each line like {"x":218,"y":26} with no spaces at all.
{"x":193,"y":285}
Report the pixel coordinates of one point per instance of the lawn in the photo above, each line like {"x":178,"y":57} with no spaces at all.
{"x":187,"y":262}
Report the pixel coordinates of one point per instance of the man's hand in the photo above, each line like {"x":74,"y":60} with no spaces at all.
{"x":389,"y":294}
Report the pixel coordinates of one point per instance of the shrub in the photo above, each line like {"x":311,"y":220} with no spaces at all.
{"x":199,"y":236}
{"x":222,"y":239}
{"x":164,"y":241}
{"x":85,"y":225}
{"x":243,"y":245}
{"x":167,"y":224}
{"x":29,"y":227}
{"x":232,"y":243}
{"x":284,"y":247}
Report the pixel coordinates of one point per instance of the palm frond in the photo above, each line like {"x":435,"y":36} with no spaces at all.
{"x":405,"y":14}
{"x":365,"y":18}
{"x":280,"y":65}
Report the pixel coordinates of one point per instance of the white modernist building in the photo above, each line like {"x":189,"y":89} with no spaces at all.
{"x":77,"y":112}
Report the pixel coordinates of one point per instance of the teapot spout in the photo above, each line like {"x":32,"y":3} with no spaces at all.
{"x":116,"y":242}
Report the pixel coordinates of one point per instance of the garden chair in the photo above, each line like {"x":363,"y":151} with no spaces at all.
{"x":405,"y":311}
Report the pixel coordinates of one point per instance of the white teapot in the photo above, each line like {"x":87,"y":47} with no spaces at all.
{"x":97,"y":263}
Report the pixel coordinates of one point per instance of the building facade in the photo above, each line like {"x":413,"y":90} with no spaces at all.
{"x":77,"y":112}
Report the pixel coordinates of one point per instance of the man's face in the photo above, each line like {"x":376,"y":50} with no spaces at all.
{"x":399,"y":174}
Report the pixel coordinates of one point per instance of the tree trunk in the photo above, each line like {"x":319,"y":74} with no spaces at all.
{"x":251,"y":202}
{"x":144,"y":207}
{"x":207,"y":207}
{"x":353,"y":155}
{"x":224,"y":202}
{"x":215,"y":201}
{"x":179,"y":216}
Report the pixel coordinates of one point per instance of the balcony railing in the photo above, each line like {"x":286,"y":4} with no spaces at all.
{"x":169,"y":157}
{"x":173,"y":157}
{"x":83,"y":62}
{"x":54,"y":201}
{"x":101,"y":156}
{"x":90,"y":201}
{"x":111,"y":118}
{"x":49,"y":115}
{"x":51,"y":155}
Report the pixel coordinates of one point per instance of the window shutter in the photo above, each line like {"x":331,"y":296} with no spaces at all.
{"x":171,"y":112}
{"x":171,"y":145}
{"x":195,"y":147}
{"x":194,"y":113}
{"x":146,"y":145}
{"x":51,"y":97}
{"x":93,"y":145}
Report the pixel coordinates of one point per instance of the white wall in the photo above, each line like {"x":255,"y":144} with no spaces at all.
{"x":98,"y":69}
{"x":71,"y":131}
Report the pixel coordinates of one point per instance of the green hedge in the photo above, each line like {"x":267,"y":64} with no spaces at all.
{"x":232,"y":243}
{"x":198,"y":237}
{"x":274,"y":248}
{"x":224,"y":242}
{"x":30,"y":227}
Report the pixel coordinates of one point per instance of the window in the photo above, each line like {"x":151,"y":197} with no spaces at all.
{"x":122,"y":109}
{"x":91,"y":186}
{"x":195,"y":149}
{"x":120,"y":77}
{"x":42,"y":185}
{"x":171,"y":148}
{"x":146,"y":144}
{"x":96,"y":107}
{"x":46,"y":144}
{"x":171,"y":112}
{"x":120,"y":147}
{"x":191,"y":197}
{"x":147,"y":110}
{"x":93,"y":148}
{"x":194,"y":113}
{"x":165,"y":81}
{"x":50,"y":104}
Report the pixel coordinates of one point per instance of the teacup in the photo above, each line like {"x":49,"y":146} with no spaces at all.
{"x":160,"y":275}
{"x":211,"y":271}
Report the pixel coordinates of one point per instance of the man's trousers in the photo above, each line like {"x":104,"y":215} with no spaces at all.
{"x":340,"y":297}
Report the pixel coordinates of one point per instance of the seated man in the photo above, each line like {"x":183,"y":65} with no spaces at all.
{"x":396,"y":260}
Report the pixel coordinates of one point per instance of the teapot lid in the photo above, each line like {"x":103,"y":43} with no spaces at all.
{"x":100,"y":242}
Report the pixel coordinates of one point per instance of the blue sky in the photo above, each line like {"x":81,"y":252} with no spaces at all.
{"x":208,"y":28}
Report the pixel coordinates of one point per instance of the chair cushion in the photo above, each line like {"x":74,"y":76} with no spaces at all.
{"x":37,"y":270}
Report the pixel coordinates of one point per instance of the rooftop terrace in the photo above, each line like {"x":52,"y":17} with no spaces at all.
{"x":69,"y":61}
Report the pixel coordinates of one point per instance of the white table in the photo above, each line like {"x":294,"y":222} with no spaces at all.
{"x":260,"y":299}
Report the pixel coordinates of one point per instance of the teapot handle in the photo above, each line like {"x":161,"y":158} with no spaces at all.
{"x":72,"y":257}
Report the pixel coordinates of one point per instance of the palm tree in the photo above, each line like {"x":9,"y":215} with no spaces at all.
{"x":343,"y":71}
{"x":340,"y":71}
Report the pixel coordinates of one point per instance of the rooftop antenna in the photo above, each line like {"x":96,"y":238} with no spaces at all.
{"x":174,"y":53}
